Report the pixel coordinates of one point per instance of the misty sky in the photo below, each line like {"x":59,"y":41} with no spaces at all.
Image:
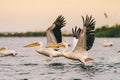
{"x":37,"y":15}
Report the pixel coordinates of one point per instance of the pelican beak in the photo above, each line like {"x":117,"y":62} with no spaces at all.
{"x":32,"y":45}
{"x":53,"y":46}
{"x":56,"y":45}
{"x":62,"y":45}
{"x":3,"y":48}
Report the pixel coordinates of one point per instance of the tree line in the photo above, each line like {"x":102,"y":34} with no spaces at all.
{"x":108,"y":31}
{"x":104,"y":31}
{"x":26,"y":34}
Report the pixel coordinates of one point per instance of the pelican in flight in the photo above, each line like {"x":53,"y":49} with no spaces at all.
{"x":85,"y":42}
{"x":54,"y":37}
{"x":5,"y":52}
{"x":105,"y":43}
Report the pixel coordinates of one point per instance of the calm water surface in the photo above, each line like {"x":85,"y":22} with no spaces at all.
{"x":29,"y":65}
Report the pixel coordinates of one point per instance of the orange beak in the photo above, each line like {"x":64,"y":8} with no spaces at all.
{"x":32,"y":45}
{"x":56,"y":45}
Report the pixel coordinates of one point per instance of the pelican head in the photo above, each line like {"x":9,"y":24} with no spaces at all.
{"x":3,"y":48}
{"x":34,"y":44}
{"x":64,"y":44}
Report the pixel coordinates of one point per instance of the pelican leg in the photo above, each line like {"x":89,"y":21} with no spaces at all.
{"x":89,"y":59}
{"x":83,"y":61}
{"x":50,"y":58}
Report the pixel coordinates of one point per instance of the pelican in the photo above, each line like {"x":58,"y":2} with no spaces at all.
{"x":105,"y":43}
{"x":54,"y":37}
{"x":85,"y":42}
{"x":5,"y":52}
{"x":45,"y":51}
{"x":75,"y":31}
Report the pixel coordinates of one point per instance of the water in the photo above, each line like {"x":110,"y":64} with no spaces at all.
{"x":28,"y":65}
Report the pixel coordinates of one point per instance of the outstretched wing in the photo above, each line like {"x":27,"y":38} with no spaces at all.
{"x":54,"y":31}
{"x":89,"y":23}
{"x":86,"y":37}
{"x":76,"y":31}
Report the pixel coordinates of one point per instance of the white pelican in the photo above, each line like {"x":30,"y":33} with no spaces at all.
{"x":85,"y":42}
{"x":5,"y":52}
{"x":105,"y":43}
{"x":45,"y":51}
{"x":54,"y":36}
{"x":75,"y":31}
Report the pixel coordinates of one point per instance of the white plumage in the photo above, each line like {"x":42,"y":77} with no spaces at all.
{"x":75,"y":32}
{"x":54,"y":37}
{"x":4,"y":51}
{"x":106,"y":43}
{"x":84,"y":43}
{"x":45,"y":51}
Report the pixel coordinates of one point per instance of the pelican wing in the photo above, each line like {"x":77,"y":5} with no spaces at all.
{"x":54,"y":32}
{"x":50,"y":35}
{"x":76,"y":31}
{"x":86,"y":37}
{"x":90,"y":36}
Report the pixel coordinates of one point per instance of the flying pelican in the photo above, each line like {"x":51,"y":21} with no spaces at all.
{"x":105,"y":43}
{"x":45,"y":51}
{"x":75,"y":31}
{"x":54,"y":37}
{"x":85,"y":42}
{"x":5,"y":52}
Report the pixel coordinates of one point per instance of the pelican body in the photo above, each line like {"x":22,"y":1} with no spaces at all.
{"x":105,"y":43}
{"x":5,"y":52}
{"x":48,"y":52}
{"x":84,"y":43}
{"x":45,"y":51}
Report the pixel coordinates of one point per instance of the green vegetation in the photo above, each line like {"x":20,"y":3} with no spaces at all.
{"x":104,"y":31}
{"x":21,"y":34}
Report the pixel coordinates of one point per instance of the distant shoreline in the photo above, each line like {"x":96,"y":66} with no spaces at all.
{"x":104,"y":31}
{"x":108,"y":31}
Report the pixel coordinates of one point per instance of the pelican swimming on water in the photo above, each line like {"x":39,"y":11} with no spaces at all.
{"x":85,"y":42}
{"x":105,"y":43}
{"x":54,"y":36}
{"x":4,"y":51}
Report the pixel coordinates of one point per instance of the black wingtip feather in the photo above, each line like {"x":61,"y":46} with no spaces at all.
{"x":89,"y":23}
{"x":76,"y":31}
{"x":59,"y":23}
